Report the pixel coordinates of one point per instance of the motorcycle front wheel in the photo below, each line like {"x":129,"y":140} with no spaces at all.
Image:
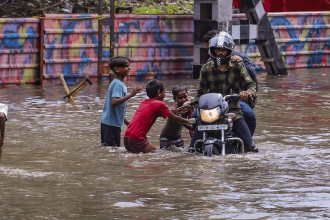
{"x":210,"y":149}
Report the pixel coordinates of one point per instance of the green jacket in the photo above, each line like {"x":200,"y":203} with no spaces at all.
{"x":234,"y":77}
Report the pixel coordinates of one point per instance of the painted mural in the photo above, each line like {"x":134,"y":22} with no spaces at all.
{"x":155,"y":43}
{"x":160,"y":46}
{"x":302,"y":37}
{"x":19,"y":50}
{"x":71,"y":46}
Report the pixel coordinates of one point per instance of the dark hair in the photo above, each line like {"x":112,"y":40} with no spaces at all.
{"x":118,"y":62}
{"x":177,"y":89}
{"x":153,"y":87}
{"x":209,"y":35}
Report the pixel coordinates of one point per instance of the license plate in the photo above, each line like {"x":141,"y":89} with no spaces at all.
{"x":212,"y":127}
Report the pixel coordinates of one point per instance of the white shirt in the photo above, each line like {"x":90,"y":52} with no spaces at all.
{"x":4,"y":109}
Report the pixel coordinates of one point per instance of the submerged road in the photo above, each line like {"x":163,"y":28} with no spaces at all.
{"x":53,"y":166}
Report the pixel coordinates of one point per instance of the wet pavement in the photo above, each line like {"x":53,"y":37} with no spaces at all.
{"x":53,"y":166}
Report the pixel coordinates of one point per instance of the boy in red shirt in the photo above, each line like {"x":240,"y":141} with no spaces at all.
{"x":135,"y":139}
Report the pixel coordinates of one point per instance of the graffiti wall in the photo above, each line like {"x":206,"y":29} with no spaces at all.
{"x":19,"y":50}
{"x":71,"y":46}
{"x":158,"y":44}
{"x":302,"y":37}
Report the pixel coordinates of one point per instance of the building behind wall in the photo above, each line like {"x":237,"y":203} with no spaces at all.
{"x":291,"y":5}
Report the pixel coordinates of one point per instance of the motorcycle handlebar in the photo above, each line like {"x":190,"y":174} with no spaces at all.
{"x":233,"y":96}
{"x":227,"y":98}
{"x":190,"y":104}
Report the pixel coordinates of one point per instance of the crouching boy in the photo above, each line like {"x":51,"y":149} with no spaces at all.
{"x":170,"y":137}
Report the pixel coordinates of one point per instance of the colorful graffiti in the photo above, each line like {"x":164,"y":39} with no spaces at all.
{"x":158,"y":44}
{"x":71,"y":46}
{"x":155,"y":43}
{"x":19,"y":50}
{"x":303,"y":39}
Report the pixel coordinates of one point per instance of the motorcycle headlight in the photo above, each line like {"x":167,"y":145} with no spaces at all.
{"x":210,"y":115}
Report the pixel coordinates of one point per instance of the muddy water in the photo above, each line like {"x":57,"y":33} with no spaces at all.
{"x":53,"y":167}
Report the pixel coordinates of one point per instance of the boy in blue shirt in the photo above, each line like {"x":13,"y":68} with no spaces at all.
{"x":113,"y":116}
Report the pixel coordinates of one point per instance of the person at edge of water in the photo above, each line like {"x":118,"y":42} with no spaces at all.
{"x":170,"y":137}
{"x":221,"y":75}
{"x":135,"y":139}
{"x":247,"y":111}
{"x":3,"y":119}
{"x":113,"y":115}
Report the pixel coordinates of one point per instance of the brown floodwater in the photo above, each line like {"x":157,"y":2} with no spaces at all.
{"x":53,"y":166}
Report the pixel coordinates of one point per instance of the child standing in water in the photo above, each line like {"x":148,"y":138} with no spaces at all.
{"x":170,"y":138}
{"x":113,"y":116}
{"x":135,"y":139}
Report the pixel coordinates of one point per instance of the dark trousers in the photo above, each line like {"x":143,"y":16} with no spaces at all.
{"x":242,"y":130}
{"x":239,"y":127}
{"x":249,"y":116}
{"x":110,"y":136}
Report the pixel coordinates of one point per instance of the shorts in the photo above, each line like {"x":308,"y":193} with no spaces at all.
{"x":110,"y":136}
{"x":167,"y":143}
{"x":135,"y":145}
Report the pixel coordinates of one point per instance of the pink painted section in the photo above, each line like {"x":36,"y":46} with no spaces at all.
{"x":71,"y":46}
{"x":19,"y":50}
{"x":158,"y":44}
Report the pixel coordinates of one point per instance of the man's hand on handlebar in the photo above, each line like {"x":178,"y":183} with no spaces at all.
{"x":245,"y":95}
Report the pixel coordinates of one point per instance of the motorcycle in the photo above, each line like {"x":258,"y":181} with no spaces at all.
{"x":217,"y":124}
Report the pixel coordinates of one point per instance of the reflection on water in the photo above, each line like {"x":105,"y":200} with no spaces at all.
{"x":53,"y":166}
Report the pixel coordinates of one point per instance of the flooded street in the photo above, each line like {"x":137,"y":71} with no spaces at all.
{"x":53,"y":166}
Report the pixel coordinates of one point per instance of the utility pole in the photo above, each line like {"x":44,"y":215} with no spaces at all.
{"x":225,"y":14}
{"x":112,"y":35}
{"x":112,"y":27}
{"x":100,"y":41}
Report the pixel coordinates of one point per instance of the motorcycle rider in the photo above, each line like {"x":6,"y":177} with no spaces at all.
{"x":220,"y":75}
{"x":247,"y":110}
